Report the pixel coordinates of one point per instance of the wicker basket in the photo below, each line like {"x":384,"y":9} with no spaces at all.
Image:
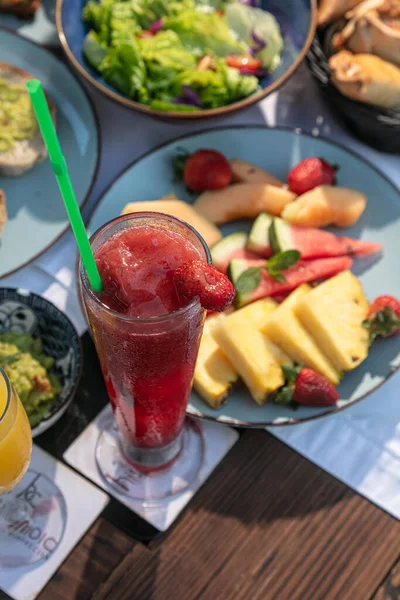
{"x":377,"y":127}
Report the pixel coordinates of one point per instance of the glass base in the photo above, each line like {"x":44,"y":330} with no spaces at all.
{"x":33,"y":518}
{"x":186,"y":454}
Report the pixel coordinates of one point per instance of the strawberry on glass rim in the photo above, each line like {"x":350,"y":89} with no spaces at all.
{"x":199,"y":279}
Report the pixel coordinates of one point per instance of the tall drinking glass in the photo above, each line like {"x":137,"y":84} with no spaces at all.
{"x":15,"y":437}
{"x":30,"y":502}
{"x":148,"y":365}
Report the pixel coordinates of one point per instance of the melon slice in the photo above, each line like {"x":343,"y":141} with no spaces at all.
{"x":285,"y":329}
{"x":170,"y":205}
{"x":244,"y":172}
{"x":304,"y":271}
{"x":242,"y":200}
{"x":270,"y":235}
{"x":326,"y":205}
{"x":230,"y":247}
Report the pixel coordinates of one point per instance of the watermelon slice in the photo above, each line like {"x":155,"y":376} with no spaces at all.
{"x":230,"y":247}
{"x":270,"y":235}
{"x":304,"y":271}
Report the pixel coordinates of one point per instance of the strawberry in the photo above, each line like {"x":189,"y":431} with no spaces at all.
{"x":306,"y":386}
{"x":313,"y":389}
{"x":383,"y":317}
{"x":309,"y":173}
{"x":213,"y":289}
{"x":207,"y":170}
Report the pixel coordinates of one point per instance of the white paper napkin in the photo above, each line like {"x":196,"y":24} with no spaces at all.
{"x":48,"y":538}
{"x":219,"y":439}
{"x":360,"y":446}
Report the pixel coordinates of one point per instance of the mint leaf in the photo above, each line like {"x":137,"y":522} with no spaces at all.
{"x":281,"y":262}
{"x":277,"y":276}
{"x":249,"y":280}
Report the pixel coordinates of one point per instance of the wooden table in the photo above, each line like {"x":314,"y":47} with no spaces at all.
{"x":267,"y":524}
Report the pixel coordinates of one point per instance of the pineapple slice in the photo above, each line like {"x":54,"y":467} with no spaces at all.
{"x":214,"y":373}
{"x":257,"y":360}
{"x":285,"y":329}
{"x":333,"y":314}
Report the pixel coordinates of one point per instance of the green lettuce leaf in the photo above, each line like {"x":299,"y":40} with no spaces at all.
{"x":124,"y":68}
{"x":123,"y":24}
{"x":238,"y":86}
{"x":220,"y":87}
{"x":94,"y":50}
{"x":157,"y":69}
{"x":147,"y":11}
{"x":204,"y":33}
{"x":166,"y":49}
{"x":170,"y":107}
{"x":243,"y":19}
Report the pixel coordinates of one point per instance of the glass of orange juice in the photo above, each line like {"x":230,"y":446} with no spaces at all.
{"x":15,"y":437}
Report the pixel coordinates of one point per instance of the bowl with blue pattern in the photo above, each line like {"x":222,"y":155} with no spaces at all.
{"x":23,"y":312}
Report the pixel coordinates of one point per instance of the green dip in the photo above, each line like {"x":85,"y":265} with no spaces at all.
{"x":17,"y":119}
{"x":27,"y":367}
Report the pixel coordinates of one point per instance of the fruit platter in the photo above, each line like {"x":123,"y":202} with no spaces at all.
{"x":308,"y":244}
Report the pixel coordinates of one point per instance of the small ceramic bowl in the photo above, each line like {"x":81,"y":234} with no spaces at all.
{"x":297,"y":20}
{"x":22,"y":311}
{"x":375,"y":126}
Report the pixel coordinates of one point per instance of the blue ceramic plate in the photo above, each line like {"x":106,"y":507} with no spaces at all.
{"x":41,"y":29}
{"x":277,"y":150}
{"x":24,"y":312}
{"x":297,"y":19}
{"x":37,"y":216}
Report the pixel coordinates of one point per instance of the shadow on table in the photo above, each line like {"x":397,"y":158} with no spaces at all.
{"x":259,"y":485}
{"x":131,"y":134}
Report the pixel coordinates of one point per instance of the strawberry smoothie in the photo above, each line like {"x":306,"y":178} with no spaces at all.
{"x":146,"y":333}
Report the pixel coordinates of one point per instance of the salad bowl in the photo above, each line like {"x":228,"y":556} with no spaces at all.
{"x":297,"y":23}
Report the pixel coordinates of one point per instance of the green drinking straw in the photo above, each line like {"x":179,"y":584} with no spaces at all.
{"x":60,"y":169}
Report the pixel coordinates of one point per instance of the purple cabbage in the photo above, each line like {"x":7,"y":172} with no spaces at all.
{"x":260,"y":44}
{"x":156,"y":26}
{"x":189,"y":97}
{"x":252,"y":3}
{"x":258,"y":73}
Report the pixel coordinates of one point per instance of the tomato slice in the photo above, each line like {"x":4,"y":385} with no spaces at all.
{"x":146,"y":33}
{"x":246,"y":62}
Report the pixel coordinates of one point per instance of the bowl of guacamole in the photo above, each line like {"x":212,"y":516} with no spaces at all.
{"x":41,"y":353}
